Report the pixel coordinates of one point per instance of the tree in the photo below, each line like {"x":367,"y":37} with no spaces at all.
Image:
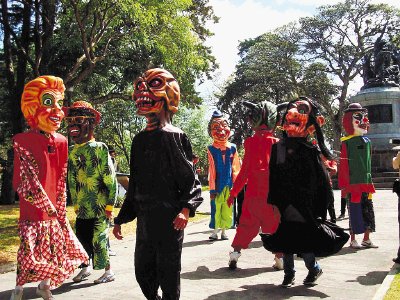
{"x":119,"y":124}
{"x":192,"y":121}
{"x":339,"y":36}
{"x":99,"y":47}
{"x":271,"y":69}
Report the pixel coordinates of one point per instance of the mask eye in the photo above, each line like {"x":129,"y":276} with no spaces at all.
{"x":303,"y":109}
{"x":60,"y":103}
{"x":47,"y":100}
{"x":215,"y":126}
{"x":138,"y":84}
{"x":155,"y":83}
{"x":358,"y":116}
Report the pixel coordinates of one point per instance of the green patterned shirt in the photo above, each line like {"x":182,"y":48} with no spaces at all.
{"x":91,"y":180}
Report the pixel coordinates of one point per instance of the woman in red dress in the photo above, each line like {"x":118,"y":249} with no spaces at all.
{"x":49,"y":251}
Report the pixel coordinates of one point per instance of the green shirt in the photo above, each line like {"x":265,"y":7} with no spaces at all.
{"x":359,"y":159}
{"x":91,"y":180}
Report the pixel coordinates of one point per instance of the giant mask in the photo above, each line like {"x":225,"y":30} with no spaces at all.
{"x":296,"y":119}
{"x":218,"y":128}
{"x":263,"y":113}
{"x":355,"y":120}
{"x":81,"y":119}
{"x":41,"y":103}
{"x":301,"y":117}
{"x":154,"y":91}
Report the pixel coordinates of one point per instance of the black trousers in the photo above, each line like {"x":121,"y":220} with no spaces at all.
{"x":84,"y":233}
{"x":343,"y":205}
{"x":158,"y":254}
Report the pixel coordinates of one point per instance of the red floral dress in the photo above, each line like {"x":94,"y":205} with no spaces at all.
{"x":49,"y":247}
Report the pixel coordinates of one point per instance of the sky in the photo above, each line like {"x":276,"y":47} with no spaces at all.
{"x":244,"y":19}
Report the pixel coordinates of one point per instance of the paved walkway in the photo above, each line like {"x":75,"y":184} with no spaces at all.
{"x":350,"y":274}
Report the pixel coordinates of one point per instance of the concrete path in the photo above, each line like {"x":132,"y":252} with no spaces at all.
{"x":350,"y":274}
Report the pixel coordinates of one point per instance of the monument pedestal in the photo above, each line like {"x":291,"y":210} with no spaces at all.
{"x":383,"y":104}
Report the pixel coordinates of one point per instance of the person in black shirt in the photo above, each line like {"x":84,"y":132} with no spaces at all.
{"x":163,"y":187}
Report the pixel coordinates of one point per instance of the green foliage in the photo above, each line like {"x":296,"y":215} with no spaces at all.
{"x":270,"y":69}
{"x":192,"y":121}
{"x":340,"y":36}
{"x":308,"y":59}
{"x":100,"y":47}
{"x":118,"y":203}
{"x":119,"y":124}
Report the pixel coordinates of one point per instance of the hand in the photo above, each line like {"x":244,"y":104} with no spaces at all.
{"x":117,"y":232}
{"x":230,"y":200}
{"x":181,"y":219}
{"x":109,"y":214}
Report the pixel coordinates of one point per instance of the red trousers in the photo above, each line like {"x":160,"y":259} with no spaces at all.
{"x":256,"y":213}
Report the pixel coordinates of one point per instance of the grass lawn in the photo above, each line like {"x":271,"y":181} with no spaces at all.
{"x":9,"y":230}
{"x":394,"y":290}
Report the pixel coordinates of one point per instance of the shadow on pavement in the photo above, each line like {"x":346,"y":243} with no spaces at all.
{"x":198,"y":243}
{"x":268,"y":291}
{"x":203,"y":272}
{"x":372,"y":278}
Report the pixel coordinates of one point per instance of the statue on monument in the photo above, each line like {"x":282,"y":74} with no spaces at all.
{"x":385,"y":70}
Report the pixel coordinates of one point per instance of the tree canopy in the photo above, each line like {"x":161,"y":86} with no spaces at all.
{"x":99,"y":47}
{"x":319,"y":56}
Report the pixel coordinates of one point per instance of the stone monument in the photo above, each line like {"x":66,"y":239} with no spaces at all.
{"x":381,"y":96}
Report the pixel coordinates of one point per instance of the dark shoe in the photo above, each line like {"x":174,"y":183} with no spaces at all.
{"x":288,"y":281}
{"x":340,"y":217}
{"x":396,"y":260}
{"x":312,"y":277}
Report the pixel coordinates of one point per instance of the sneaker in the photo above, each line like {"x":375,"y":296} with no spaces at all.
{"x":44,"y":293}
{"x":278,"y":265}
{"x":213,"y":237}
{"x":288,"y":281}
{"x":16,"y":294}
{"x":368,"y":244}
{"x":224,"y":236}
{"x":233,"y":259}
{"x":341,"y":216}
{"x":312,"y":277}
{"x":354,"y":245}
{"x":84,"y":273}
{"x":396,"y":260}
{"x":106,"y":277}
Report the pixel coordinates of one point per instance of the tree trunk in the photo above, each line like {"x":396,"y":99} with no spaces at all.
{"x":8,"y":195}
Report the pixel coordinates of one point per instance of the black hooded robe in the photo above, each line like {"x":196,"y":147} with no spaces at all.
{"x":299,"y":187}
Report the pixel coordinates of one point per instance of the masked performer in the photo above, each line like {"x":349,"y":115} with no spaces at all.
{"x":223,"y":167}
{"x":163,"y":187}
{"x":93,"y":185}
{"x":299,"y":188}
{"x":49,"y":250}
{"x":256,"y":212}
{"x":354,"y":174}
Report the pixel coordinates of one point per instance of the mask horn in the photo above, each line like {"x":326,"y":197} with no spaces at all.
{"x":249,"y":104}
